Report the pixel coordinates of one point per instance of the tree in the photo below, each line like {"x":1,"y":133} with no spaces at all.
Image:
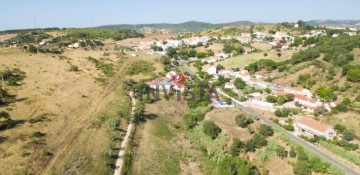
{"x":236,"y":147}
{"x":259,"y":140}
{"x":239,"y":83}
{"x":243,"y":121}
{"x":228,"y":101}
{"x":210,"y":53}
{"x":265,"y":130}
{"x":348,"y":136}
{"x":201,"y":55}
{"x":281,"y":152}
{"x":339,"y":128}
{"x":236,"y":166}
{"x":32,"y":49}
{"x":211,"y":129}
{"x":292,"y":152}
{"x":171,"y":52}
{"x":219,"y":67}
{"x":192,"y":53}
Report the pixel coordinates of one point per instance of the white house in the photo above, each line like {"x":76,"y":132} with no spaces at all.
{"x":311,"y":127}
{"x":225,"y":73}
{"x":243,"y":39}
{"x":298,"y":91}
{"x":211,"y":70}
{"x":244,"y":76}
{"x":307,"y":103}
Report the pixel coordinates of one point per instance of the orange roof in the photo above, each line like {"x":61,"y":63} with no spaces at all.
{"x":314,"y":124}
{"x":304,"y":98}
{"x":298,"y":88}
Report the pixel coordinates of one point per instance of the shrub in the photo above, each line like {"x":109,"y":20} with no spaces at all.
{"x":282,"y":112}
{"x":281,"y":152}
{"x":38,"y":134}
{"x":74,"y":68}
{"x":271,"y":99}
{"x":236,"y":147}
{"x":348,"y":136}
{"x":292,"y":152}
{"x":211,"y":129}
{"x":243,"y":121}
{"x":265,"y":130}
{"x":353,"y":75}
{"x":239,"y":83}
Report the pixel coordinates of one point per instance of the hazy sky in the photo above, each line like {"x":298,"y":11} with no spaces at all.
{"x":88,"y":13}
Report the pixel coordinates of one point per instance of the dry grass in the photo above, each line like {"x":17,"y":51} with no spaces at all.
{"x":225,"y":119}
{"x":73,"y":99}
{"x":7,"y":36}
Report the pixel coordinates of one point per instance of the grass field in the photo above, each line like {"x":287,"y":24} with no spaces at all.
{"x":241,"y":61}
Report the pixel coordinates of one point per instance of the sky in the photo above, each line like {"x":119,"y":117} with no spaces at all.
{"x":19,"y":14}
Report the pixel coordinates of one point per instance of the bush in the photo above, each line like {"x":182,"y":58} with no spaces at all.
{"x":74,"y":68}
{"x":341,"y":108}
{"x":348,"y":136}
{"x":243,"y":121}
{"x":265,"y":130}
{"x":211,"y":129}
{"x":282,"y":112}
{"x":353,"y":75}
{"x":339,"y":128}
{"x":281,"y":152}
{"x":38,"y":134}
{"x":239,"y":83}
{"x":271,"y":99}
{"x":236,"y":147}
{"x":292,"y":152}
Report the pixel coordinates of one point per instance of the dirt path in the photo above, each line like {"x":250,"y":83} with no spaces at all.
{"x":76,"y":129}
{"x":119,"y":161}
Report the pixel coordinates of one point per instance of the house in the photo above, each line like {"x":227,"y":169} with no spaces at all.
{"x":244,"y":39}
{"x":229,"y":85}
{"x":221,"y":54}
{"x":247,"y":50}
{"x":211,"y":70}
{"x":244,"y":76}
{"x":225,"y":73}
{"x":259,"y":83}
{"x":161,"y":83}
{"x":311,"y":127}
{"x":212,"y":59}
{"x":306,"y":102}
{"x":298,"y":91}
{"x":171,"y":74}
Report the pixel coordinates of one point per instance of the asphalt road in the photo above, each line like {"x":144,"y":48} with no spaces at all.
{"x":312,"y":148}
{"x":348,"y":170}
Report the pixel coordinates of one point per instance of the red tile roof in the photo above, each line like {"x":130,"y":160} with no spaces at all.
{"x":304,"y":98}
{"x":314,"y":124}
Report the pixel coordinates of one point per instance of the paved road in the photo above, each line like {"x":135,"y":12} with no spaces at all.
{"x":119,"y":161}
{"x":348,"y":170}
